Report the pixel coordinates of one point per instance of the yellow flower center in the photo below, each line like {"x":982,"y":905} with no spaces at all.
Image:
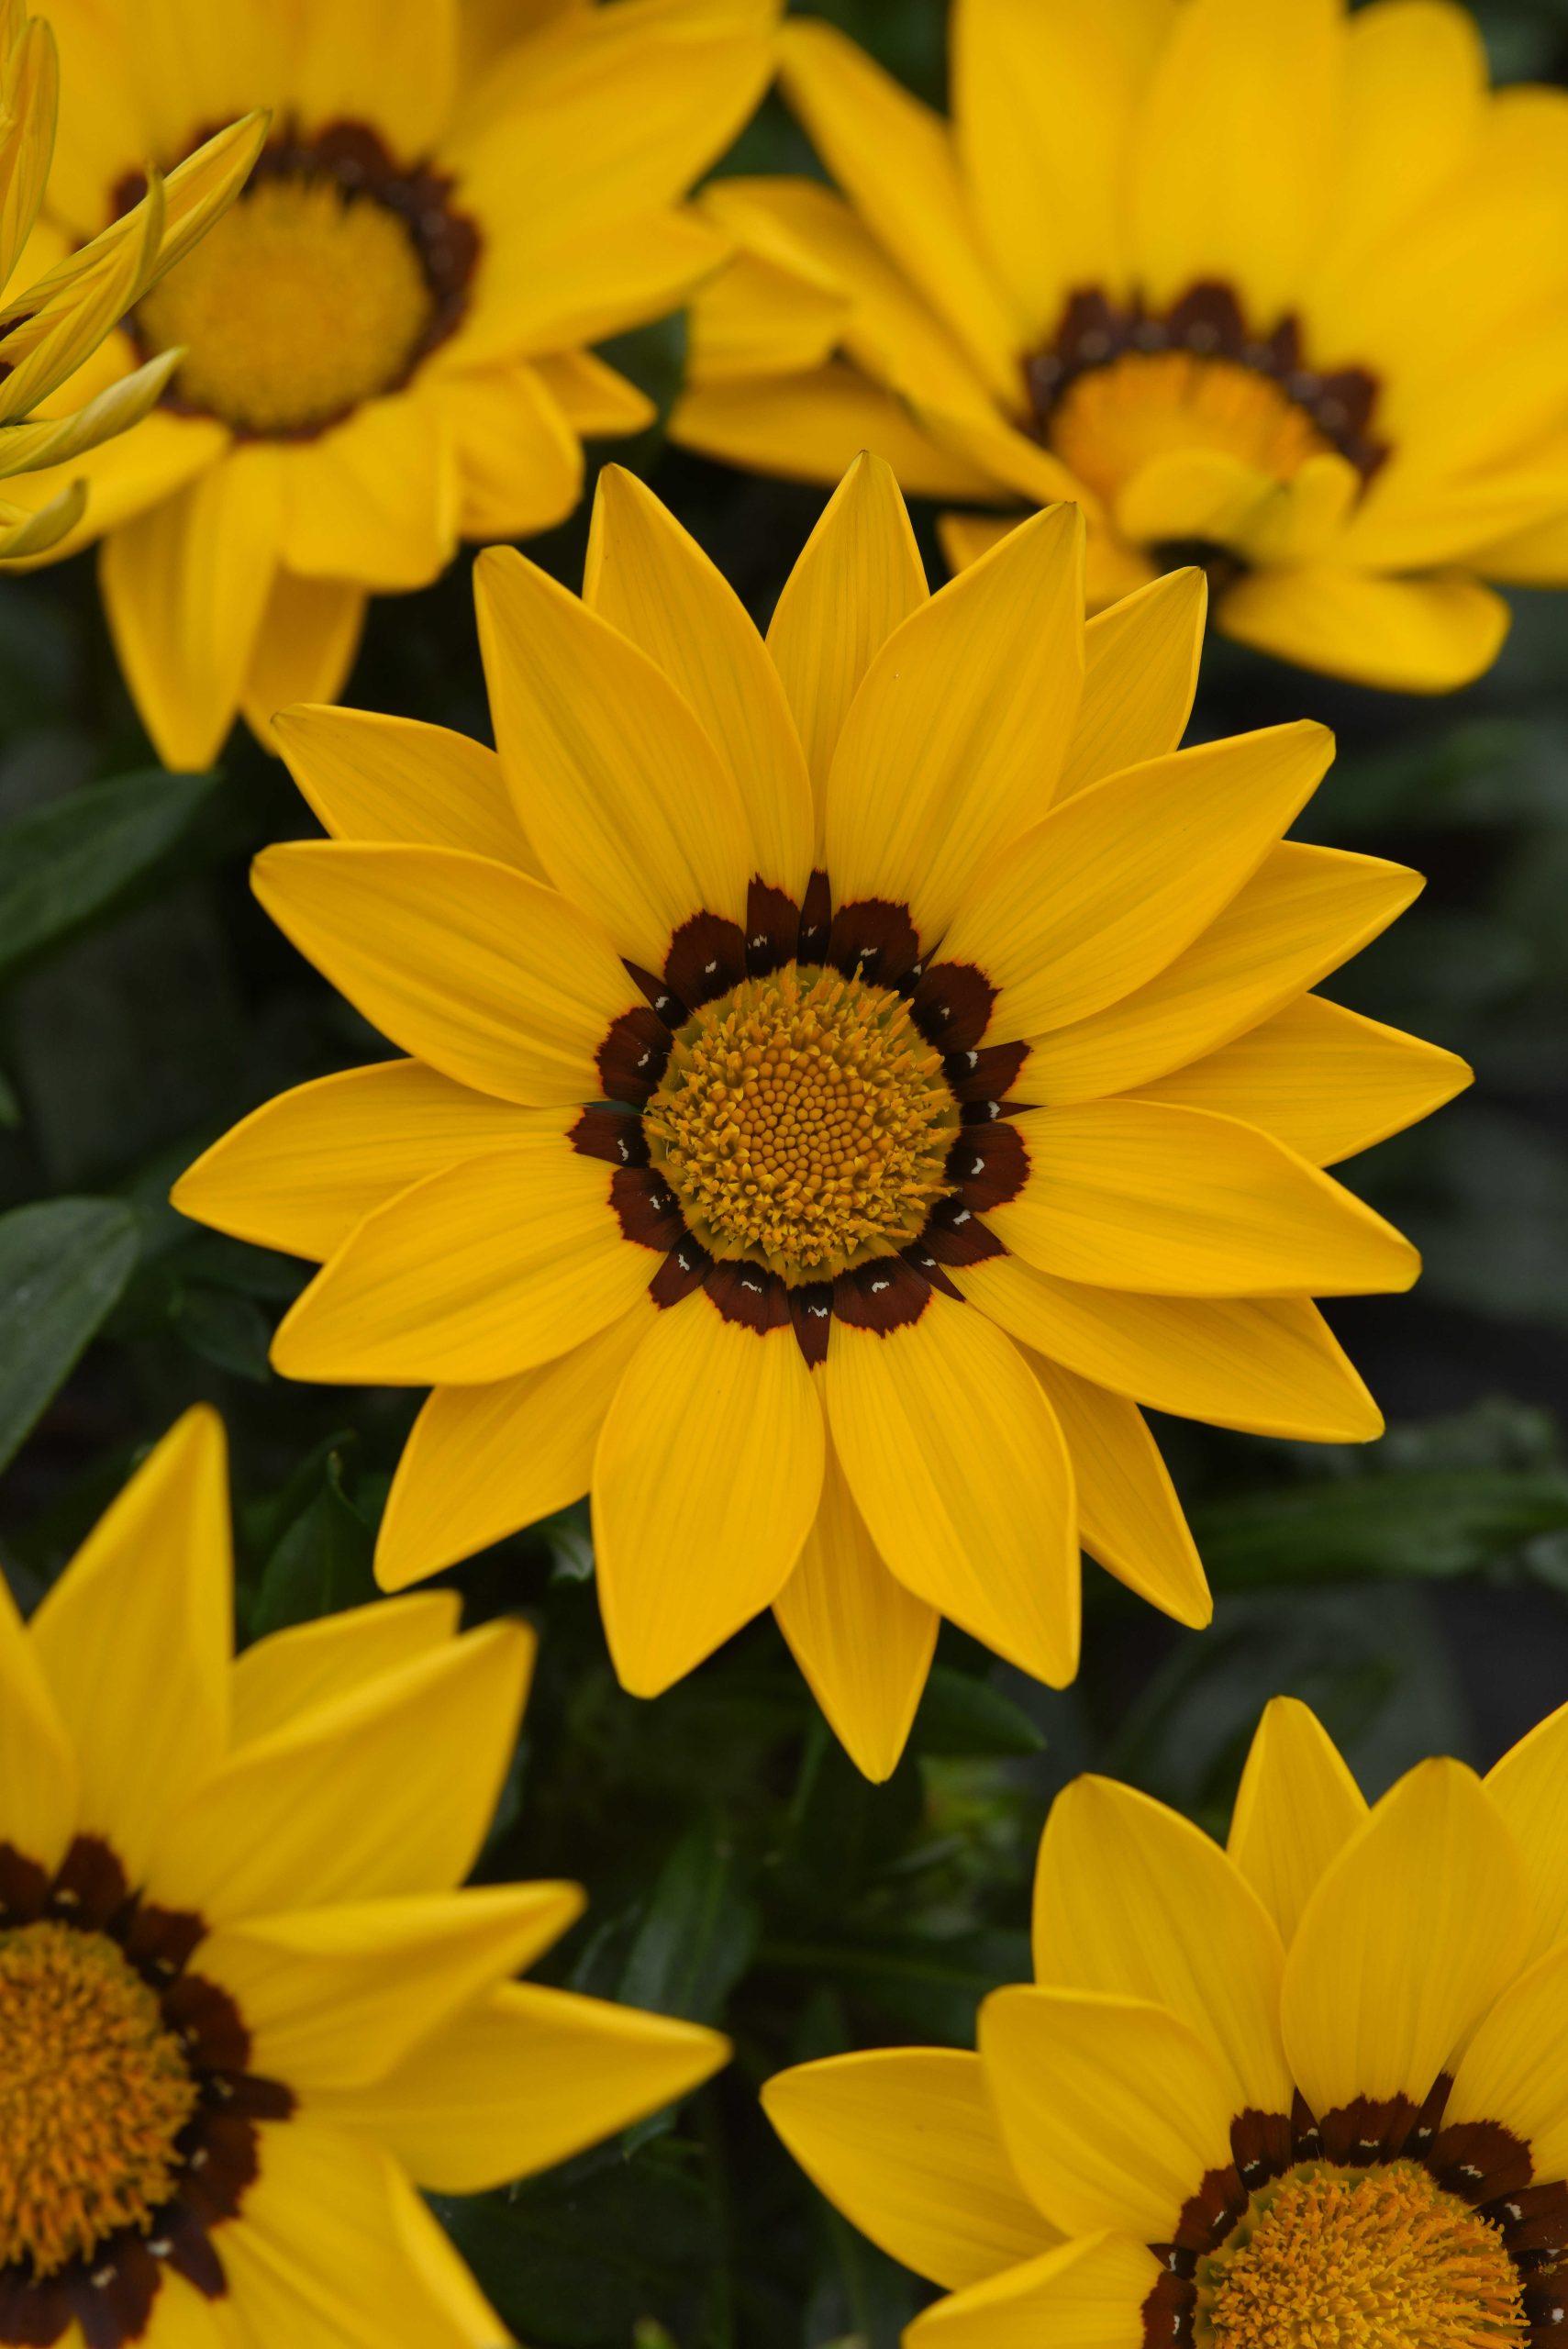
{"x":804,"y":1121}
{"x":302,"y":302}
{"x":1111,"y":421}
{"x":93,"y":2092}
{"x":1379,"y":2258}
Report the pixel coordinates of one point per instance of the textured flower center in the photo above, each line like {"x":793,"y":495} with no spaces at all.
{"x":1112,"y":421}
{"x":93,"y":2092}
{"x":303,"y":301}
{"x":804,"y":1121}
{"x":1380,"y":2258}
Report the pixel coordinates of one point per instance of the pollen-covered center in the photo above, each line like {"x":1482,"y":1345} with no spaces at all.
{"x":304,"y":300}
{"x":804,"y":1121}
{"x":1112,"y":421}
{"x":1379,"y":2258}
{"x":94,"y":2090}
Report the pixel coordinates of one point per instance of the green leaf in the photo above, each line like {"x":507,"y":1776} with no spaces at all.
{"x":698,"y":1935}
{"x":967,"y":1718}
{"x":1425,"y":1525}
{"x":63,"y":1267}
{"x":70,"y":860}
{"x":322,"y":1564}
{"x":226,"y":1328}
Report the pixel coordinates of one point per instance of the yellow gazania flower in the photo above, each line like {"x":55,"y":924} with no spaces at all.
{"x":1312,"y":2089}
{"x":49,"y":329}
{"x":244,"y":2012}
{"x":845,"y":1074}
{"x":384,"y":343}
{"x":1261,"y":282}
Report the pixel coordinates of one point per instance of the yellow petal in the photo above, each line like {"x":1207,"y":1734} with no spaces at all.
{"x":402,"y":54}
{"x":519,"y":460}
{"x":335,"y":2251}
{"x":1236,"y":150}
{"x":466,"y":963}
{"x":649,"y":578}
{"x":300,"y":1173}
{"x":185,"y":587}
{"x":374,"y":778}
{"x":483,"y":1460}
{"x":388,"y":1789}
{"x":594,"y":399}
{"x":376,"y":498}
{"x":1182,"y":1203}
{"x":1296,"y":1808}
{"x":123,"y":477}
{"x":1412,"y":636}
{"x":760,"y":316}
{"x":619,"y":788}
{"x":1113,"y":2111}
{"x":1088,"y":2294}
{"x":862,"y":1641}
{"x":1141,"y":665}
{"x":334,"y":1998}
{"x":1128,"y":1515}
{"x":524,"y":2080}
{"x":1414,"y":85}
{"x":1411,"y":1934}
{"x":959,"y":1468}
{"x":546,"y":299}
{"x":307,"y":642}
{"x":1115,"y":882}
{"x":1304,"y":911}
{"x":1205,"y":493}
{"x":1270,"y":1365}
{"x":895,"y":158}
{"x":38,"y":1769}
{"x":705,"y":1481}
{"x":1536,"y":557}
{"x":953,"y":742}
{"x":1132,"y":1899}
{"x":135,"y":1639}
{"x":812,"y":427}
{"x":1323,"y":1081}
{"x":495,"y":1265}
{"x":1530,"y":1787}
{"x":291,"y":1672}
{"x":1514,"y":2073}
{"x":858,"y":577}
{"x":903,"y":2140}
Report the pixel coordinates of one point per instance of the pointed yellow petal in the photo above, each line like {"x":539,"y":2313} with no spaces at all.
{"x":1296,"y":1808}
{"x":468,"y":964}
{"x":1128,"y":1515}
{"x":499,"y":1264}
{"x":858,"y":577}
{"x":1183,"y":1203}
{"x":38,"y":1769}
{"x":621,"y":791}
{"x":1115,"y":882}
{"x":374,"y":778}
{"x":903,"y":2140}
{"x":1530,"y":1787}
{"x":1270,"y":1365}
{"x":1304,"y":911}
{"x":135,"y":1637}
{"x":1411,"y":635}
{"x":481,"y":1461}
{"x":953,"y":742}
{"x":1322,"y":1080}
{"x":1514,"y":2073}
{"x":300,"y":1173}
{"x":1132,"y":1899}
{"x":292,"y":1672}
{"x":649,"y":578}
{"x":1139,"y":675}
{"x":524,"y":2080}
{"x":307,"y":644}
{"x":705,"y":1482}
{"x":594,"y":399}
{"x":1411,"y":1934}
{"x":1113,"y":2111}
{"x":519,"y":460}
{"x":862,"y":1641}
{"x":1085,"y":2295}
{"x":958,"y":1466}
{"x":376,"y":498}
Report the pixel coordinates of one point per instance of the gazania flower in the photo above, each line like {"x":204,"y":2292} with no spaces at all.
{"x":846,"y":1077}
{"x":50,"y":327}
{"x":1312,"y":2089}
{"x":383,"y":347}
{"x":1275,"y":287}
{"x":243,"y":2011}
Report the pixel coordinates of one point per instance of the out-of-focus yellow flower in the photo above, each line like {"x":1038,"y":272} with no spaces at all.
{"x":1311,"y":2089}
{"x":53,"y":325}
{"x":1260,"y":283}
{"x":243,"y":2012}
{"x":385,"y":345}
{"x":849,"y":1073}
